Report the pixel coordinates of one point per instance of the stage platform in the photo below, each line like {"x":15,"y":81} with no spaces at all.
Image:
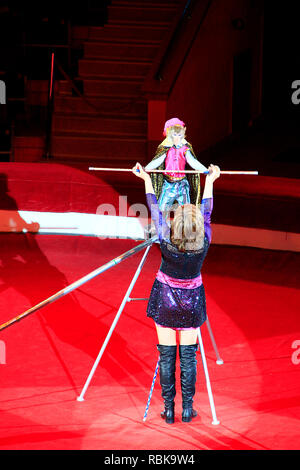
{"x":258,"y":211}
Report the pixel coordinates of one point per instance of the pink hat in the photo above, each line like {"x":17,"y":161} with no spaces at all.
{"x":172,"y":122}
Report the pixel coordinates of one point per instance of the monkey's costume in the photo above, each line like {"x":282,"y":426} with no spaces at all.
{"x":192,"y":181}
{"x":174,"y":154}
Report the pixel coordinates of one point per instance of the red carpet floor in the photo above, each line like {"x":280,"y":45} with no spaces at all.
{"x":253,"y":306}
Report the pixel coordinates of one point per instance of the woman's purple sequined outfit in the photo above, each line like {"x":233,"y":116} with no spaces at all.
{"x":176,"y":307}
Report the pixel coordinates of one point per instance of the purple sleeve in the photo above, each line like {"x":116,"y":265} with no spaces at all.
{"x":161,"y":226}
{"x":206,"y":210}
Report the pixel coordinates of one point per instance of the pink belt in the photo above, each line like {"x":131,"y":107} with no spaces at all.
{"x":179,"y":283}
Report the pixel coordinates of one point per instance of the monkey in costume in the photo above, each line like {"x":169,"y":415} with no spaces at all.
{"x":174,"y":153}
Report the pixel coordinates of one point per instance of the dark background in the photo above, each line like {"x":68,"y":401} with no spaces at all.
{"x":47,"y":22}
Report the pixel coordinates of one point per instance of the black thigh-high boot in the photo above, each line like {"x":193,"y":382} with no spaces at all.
{"x":188,"y":366}
{"x":167,"y":367}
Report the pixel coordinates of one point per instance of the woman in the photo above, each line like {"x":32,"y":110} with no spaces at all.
{"x":177,"y":299}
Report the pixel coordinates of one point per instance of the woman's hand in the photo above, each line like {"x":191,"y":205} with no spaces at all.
{"x":139,"y":171}
{"x":214,"y":172}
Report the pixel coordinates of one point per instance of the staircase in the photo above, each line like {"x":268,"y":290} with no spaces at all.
{"x":108,"y":125}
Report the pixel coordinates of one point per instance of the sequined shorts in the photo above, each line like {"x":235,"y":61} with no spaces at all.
{"x":175,"y":307}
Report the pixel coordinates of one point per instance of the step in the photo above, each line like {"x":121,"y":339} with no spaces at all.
{"x":110,"y":39}
{"x":103,"y":106}
{"x":147,"y":3}
{"x":86,"y":124}
{"x":111,"y":86}
{"x":80,"y":33}
{"x":136,"y":32}
{"x":111,"y":177}
{"x":108,"y":86}
{"x":105,"y":49}
{"x":63,"y":88}
{"x":98,"y":148}
{"x":145,"y":13}
{"x":132,"y":23}
{"x":119,"y":68}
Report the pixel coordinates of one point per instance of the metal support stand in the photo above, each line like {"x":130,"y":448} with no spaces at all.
{"x":209,"y":391}
{"x":79,"y":282}
{"x":219,"y":361}
{"x":134,"y":279}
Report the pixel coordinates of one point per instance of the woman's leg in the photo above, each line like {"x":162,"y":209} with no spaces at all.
{"x":166,"y":336}
{"x":167,"y":366}
{"x":188,"y":336}
{"x":188,"y":366}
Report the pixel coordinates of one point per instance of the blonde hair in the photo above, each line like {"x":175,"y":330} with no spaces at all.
{"x":187,"y":228}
